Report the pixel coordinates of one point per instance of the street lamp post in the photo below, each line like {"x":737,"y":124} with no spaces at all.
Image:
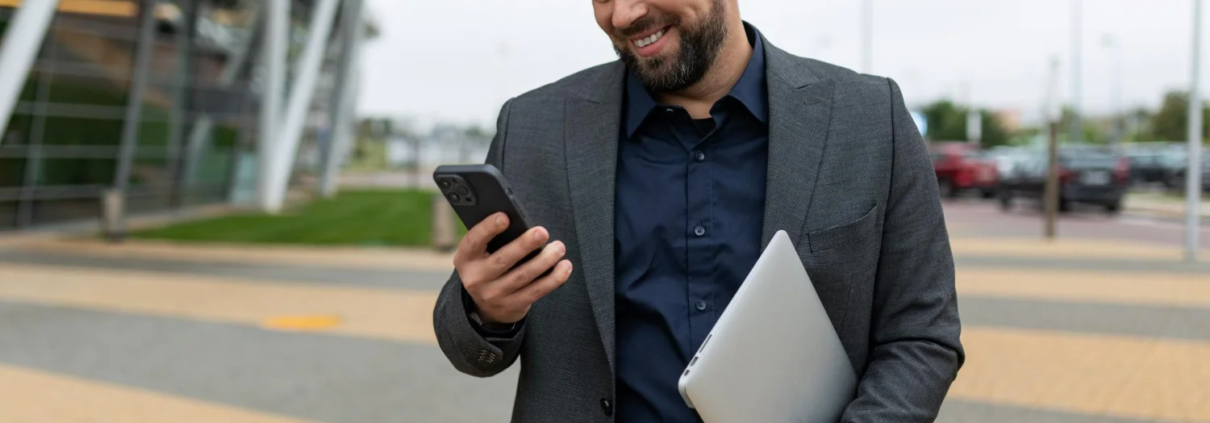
{"x":1077,"y":45}
{"x":1193,"y":182}
{"x":1115,"y":88}
{"x":867,"y":36}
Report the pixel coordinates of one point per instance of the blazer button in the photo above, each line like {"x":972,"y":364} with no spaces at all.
{"x":607,"y":407}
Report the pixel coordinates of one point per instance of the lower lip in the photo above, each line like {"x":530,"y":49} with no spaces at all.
{"x":653,"y":48}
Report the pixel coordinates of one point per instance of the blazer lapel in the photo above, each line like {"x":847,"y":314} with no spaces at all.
{"x":591,"y":141}
{"x":800,"y":109}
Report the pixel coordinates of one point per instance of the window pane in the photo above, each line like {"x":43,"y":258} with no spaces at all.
{"x":12,"y":171}
{"x":55,"y":172}
{"x":8,"y":215}
{"x":52,"y":211}
{"x":90,"y":46}
{"x":18,"y":131}
{"x":74,"y":89}
{"x":147,"y":200}
{"x":149,"y":173}
{"x":82,"y":131}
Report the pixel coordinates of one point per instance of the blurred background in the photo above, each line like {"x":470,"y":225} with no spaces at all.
{"x":221,"y":210}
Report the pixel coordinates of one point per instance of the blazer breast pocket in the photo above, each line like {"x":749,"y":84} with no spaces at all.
{"x":852,"y":234}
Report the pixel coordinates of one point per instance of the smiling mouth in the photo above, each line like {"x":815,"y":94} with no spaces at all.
{"x":651,"y":39}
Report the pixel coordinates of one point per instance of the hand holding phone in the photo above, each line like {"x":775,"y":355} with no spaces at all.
{"x":501,"y":260}
{"x":502,"y":290}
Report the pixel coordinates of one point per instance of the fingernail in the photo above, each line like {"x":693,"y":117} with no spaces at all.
{"x":537,"y":234}
{"x":500,"y":221}
{"x":560,"y":248}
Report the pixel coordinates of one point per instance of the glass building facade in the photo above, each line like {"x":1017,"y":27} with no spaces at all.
{"x":192,"y":139}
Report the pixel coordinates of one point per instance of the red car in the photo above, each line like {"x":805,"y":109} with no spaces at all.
{"x":960,"y":167}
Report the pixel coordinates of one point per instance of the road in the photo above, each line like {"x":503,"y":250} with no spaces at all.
{"x":1104,"y":325}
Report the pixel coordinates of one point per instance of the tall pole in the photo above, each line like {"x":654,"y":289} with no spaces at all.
{"x":867,"y":36}
{"x":1193,"y":185}
{"x":1053,"y":117}
{"x":1117,"y":114}
{"x":1077,"y":46}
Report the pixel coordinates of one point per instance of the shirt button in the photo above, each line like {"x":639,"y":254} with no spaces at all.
{"x":699,"y":230}
{"x":701,"y":306}
{"x":607,"y":407}
{"x":700,"y":156}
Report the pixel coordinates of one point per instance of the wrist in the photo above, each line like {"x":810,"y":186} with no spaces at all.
{"x":490,"y":324}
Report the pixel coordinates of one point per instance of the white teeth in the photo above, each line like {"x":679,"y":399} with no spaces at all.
{"x":650,"y":40}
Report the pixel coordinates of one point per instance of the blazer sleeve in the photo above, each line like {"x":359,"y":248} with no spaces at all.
{"x":473,"y":350}
{"x":915,"y":348}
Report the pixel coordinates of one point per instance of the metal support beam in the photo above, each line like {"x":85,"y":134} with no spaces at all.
{"x":273,"y":59}
{"x":185,"y":40}
{"x":20,"y":47}
{"x":343,"y":101}
{"x":290,"y":128}
{"x":134,"y":105}
{"x":1193,"y":183}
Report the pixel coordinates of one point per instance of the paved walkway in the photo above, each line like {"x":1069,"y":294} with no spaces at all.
{"x":1082,"y":330}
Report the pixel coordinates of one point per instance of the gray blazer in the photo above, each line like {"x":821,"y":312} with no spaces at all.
{"x":850,"y":180}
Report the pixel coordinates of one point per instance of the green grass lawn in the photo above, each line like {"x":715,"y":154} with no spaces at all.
{"x":393,"y":218}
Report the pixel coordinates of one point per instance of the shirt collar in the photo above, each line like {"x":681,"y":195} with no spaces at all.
{"x":750,"y":90}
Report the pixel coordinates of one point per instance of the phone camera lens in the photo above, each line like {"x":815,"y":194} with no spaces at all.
{"x":445,"y":184}
{"x":463,"y":190}
{"x":455,"y":197}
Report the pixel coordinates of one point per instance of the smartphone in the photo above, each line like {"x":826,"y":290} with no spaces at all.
{"x":478,"y":191}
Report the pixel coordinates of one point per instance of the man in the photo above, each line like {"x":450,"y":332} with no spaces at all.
{"x":661,"y":177}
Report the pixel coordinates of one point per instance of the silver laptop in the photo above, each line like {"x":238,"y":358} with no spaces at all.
{"x":773,"y":356}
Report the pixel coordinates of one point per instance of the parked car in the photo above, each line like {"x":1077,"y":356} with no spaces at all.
{"x":960,"y":167}
{"x":1086,"y":175}
{"x":1178,"y":178}
{"x":1156,"y":165}
{"x":1009,"y":161}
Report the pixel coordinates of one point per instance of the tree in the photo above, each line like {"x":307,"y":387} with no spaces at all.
{"x":947,"y":122}
{"x":1092,"y":133}
{"x":1171,"y":123}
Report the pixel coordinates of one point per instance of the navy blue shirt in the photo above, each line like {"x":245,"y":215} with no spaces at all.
{"x":689,"y":208}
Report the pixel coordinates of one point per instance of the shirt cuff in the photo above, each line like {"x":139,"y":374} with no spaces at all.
{"x":489,"y":334}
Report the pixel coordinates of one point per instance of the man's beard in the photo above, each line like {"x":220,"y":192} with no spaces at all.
{"x":699,"y":47}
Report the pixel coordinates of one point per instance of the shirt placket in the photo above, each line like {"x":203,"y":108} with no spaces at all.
{"x":700,"y":232}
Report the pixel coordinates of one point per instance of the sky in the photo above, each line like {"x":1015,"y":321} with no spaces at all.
{"x":459,"y":60}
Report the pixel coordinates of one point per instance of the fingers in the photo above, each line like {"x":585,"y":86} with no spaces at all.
{"x":526,"y":273}
{"x":507,"y":256}
{"x":539,"y":288}
{"x":474,"y":244}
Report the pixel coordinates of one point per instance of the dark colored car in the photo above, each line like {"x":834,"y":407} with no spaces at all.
{"x":960,"y":167}
{"x":1156,"y":166}
{"x":1178,"y":177}
{"x":1086,"y":175}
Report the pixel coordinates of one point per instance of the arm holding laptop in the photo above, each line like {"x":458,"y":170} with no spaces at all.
{"x":915,"y":352}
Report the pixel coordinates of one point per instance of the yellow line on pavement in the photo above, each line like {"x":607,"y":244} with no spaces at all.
{"x":1152,"y":288}
{"x":1068,"y":248}
{"x":379,"y":313}
{"x":1108,"y":376}
{"x":33,"y":396}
